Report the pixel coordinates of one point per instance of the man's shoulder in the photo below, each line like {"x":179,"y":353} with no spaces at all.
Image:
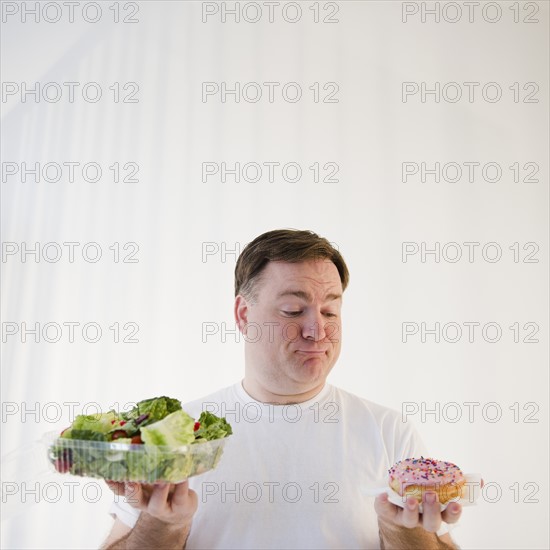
{"x":211,"y":401}
{"x":400,"y":436}
{"x":356,"y":402}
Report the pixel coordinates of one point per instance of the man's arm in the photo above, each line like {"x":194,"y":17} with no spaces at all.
{"x":164,"y":522}
{"x":392,"y":538}
{"x":147,"y":533}
{"x":119,"y":532}
{"x":407,"y":529}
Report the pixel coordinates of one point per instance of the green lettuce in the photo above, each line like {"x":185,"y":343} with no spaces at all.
{"x":212,"y":427}
{"x":174,"y":430}
{"x":86,"y":435}
{"x":91,"y":426}
{"x":155,"y":408}
{"x":171,"y":450}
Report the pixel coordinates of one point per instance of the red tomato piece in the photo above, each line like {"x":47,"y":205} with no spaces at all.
{"x":62,"y":466}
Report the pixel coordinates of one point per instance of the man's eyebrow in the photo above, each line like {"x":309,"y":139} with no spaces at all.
{"x":306,"y":296}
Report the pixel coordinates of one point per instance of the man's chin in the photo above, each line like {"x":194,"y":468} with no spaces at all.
{"x":312,"y":369}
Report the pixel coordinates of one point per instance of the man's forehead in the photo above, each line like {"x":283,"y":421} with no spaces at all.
{"x":308,"y":296}
{"x":306,"y":269}
{"x":319,"y":276}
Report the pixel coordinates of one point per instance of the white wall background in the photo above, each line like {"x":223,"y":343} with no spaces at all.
{"x":172,"y":215}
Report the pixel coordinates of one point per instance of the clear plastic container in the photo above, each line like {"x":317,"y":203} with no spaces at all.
{"x":124,"y":462}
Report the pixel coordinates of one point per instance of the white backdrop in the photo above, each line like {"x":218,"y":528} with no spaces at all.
{"x":389,"y":89}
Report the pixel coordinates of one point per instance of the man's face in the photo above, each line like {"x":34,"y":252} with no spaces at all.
{"x":293,"y":328}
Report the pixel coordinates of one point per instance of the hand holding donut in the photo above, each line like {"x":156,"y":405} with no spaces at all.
{"x":410,"y":517}
{"x":427,"y":481}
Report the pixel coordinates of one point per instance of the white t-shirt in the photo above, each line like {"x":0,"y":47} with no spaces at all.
{"x":294,"y":476}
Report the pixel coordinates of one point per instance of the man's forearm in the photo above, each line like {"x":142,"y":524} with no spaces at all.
{"x":149,"y":532}
{"x":393,"y":537}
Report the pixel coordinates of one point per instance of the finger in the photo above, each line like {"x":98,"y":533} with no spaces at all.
{"x":158,"y":501}
{"x":409,"y":516}
{"x":452,"y":513}
{"x":135,"y":496}
{"x":180,"y":496}
{"x":193,"y":501}
{"x":431,"y":512}
{"x":384,"y":508}
{"x":185,"y":504}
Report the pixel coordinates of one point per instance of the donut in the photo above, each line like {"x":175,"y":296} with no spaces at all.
{"x":414,"y":476}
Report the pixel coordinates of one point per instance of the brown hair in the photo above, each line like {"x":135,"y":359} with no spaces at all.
{"x":288,"y":245}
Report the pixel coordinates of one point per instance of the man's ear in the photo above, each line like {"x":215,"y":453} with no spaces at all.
{"x":241,"y":312}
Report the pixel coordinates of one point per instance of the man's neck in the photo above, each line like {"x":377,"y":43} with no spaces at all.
{"x":261,"y":394}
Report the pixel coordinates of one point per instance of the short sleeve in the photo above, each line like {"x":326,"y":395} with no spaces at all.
{"x":410,"y":444}
{"x":124,"y":512}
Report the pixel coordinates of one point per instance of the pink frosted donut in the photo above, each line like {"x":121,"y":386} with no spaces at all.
{"x":414,"y":476}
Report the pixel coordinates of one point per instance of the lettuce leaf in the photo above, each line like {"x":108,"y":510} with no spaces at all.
{"x":154,"y":409}
{"x":174,"y":430}
{"x":212,"y":427}
{"x":86,"y":435}
{"x":101,"y":423}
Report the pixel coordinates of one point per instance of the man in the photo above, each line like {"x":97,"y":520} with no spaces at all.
{"x":296,"y":472}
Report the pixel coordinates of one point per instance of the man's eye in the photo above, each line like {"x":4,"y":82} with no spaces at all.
{"x":292,"y":313}
{"x":328,"y":314}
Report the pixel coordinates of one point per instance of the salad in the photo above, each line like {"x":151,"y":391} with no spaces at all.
{"x":155,"y":441}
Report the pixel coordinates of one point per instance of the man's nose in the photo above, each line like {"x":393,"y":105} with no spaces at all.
{"x":314,"y":328}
